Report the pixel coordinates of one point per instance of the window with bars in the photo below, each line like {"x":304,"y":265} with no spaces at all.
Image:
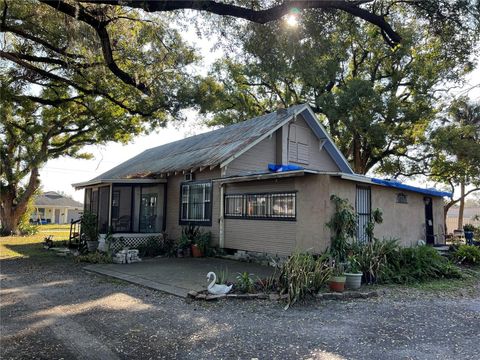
{"x":364,"y":213}
{"x":270,"y":206}
{"x":196,"y":203}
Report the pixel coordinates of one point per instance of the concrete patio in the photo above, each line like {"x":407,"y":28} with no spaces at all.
{"x":177,"y":276}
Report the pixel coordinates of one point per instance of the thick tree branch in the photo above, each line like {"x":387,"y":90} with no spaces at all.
{"x":100,"y":27}
{"x":258,"y":16}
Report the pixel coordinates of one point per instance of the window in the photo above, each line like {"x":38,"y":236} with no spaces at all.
{"x":234,"y":205}
{"x":196,"y":203}
{"x":402,"y":198}
{"x":364,"y":210}
{"x":270,"y":206}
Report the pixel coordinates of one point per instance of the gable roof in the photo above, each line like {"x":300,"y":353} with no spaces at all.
{"x":52,"y":198}
{"x":217,"y":147}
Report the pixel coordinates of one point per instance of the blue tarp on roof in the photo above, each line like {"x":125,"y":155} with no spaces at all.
{"x":399,"y":185}
{"x":283,"y":167}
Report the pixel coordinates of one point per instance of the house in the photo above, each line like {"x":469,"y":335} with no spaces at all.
{"x":51,"y":207}
{"x":262,"y":185}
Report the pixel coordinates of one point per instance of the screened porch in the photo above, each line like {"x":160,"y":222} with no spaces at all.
{"x":127,"y":207}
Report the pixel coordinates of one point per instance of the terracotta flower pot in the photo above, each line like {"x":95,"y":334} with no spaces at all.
{"x":196,"y":252}
{"x":337,"y":283}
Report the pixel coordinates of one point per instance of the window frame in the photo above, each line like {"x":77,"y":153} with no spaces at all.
{"x":269,"y":208}
{"x":210,"y":200}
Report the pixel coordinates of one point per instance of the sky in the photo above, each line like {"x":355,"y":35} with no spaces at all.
{"x":59,"y":174}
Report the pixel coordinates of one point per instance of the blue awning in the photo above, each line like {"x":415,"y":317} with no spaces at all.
{"x":399,"y":185}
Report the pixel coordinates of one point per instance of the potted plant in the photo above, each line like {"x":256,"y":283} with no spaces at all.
{"x":353,"y":274}
{"x":468,"y":230}
{"x":337,"y":280}
{"x":89,"y":230}
{"x":202,"y":243}
{"x":184,"y":245}
{"x":196,"y":251}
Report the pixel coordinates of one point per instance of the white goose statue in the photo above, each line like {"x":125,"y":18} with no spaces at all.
{"x":216,"y":289}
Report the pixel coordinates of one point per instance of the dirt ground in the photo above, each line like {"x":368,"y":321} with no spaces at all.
{"x":51,"y":309}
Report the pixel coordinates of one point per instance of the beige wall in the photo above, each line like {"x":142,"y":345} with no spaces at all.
{"x":254,"y":160}
{"x":173,"y":228}
{"x":403,"y":221}
{"x":270,"y":236}
{"x":274,"y":149}
{"x":308,"y":232}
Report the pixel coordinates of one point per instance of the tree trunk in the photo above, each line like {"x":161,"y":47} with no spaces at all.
{"x":10,"y":220}
{"x":13,"y":207}
{"x":462,"y":206}
{"x":357,"y":158}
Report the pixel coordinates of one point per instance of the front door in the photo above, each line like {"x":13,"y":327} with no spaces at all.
{"x":429,"y":221}
{"x":57,"y":216}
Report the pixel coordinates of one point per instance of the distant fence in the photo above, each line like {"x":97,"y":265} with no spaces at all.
{"x":452,"y":223}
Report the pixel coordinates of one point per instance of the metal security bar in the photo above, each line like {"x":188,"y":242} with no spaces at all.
{"x":196,"y":202}
{"x":268,"y":206}
{"x":364,"y":211}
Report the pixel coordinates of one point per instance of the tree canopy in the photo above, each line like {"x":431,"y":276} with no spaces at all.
{"x":61,"y":89}
{"x":376,"y":101}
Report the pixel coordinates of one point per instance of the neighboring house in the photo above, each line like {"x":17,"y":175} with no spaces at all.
{"x":53,"y":208}
{"x":222,"y":181}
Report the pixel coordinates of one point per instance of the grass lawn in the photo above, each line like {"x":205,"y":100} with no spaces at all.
{"x":28,"y":246}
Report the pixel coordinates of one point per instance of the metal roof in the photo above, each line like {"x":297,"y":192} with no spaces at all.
{"x":52,"y":198}
{"x":204,"y":150}
{"x":393,"y":184}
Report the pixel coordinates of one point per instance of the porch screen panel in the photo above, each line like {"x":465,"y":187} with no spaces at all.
{"x":121,"y":208}
{"x":364,"y":209}
{"x":88,"y":200}
{"x":103,"y":206}
{"x":94,"y":202}
{"x":151,"y":204}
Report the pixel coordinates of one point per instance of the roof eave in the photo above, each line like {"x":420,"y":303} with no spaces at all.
{"x":85,"y":184}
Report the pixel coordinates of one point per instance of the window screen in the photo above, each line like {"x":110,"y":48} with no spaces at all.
{"x":196,"y":202}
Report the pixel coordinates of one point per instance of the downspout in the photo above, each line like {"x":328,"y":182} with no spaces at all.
{"x":221,"y":240}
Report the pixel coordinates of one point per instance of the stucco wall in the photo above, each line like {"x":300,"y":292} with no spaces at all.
{"x":405,"y":222}
{"x":173,"y":228}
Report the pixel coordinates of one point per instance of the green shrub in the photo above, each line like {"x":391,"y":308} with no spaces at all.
{"x":372,"y":257}
{"x":303,"y":274}
{"x":417,"y":264}
{"x":343,"y":225}
{"x":94,"y":258}
{"x":88,"y":226}
{"x":244,"y":282}
{"x":193,"y":235}
{"x":153,"y":247}
{"x":203,"y":242}
{"x":156,"y":246}
{"x":469,"y":227}
{"x":467,"y":254}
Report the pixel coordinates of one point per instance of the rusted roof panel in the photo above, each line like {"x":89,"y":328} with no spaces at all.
{"x":203,"y":150}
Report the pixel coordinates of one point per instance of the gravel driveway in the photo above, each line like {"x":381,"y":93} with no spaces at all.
{"x":54,"y":310}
